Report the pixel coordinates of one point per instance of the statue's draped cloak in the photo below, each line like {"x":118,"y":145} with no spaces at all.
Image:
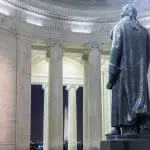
{"x":130,"y":54}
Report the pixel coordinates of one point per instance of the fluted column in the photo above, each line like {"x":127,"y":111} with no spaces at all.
{"x":46,"y":118}
{"x":55,"y":98}
{"x":23,"y":91}
{"x":85,"y":102}
{"x":94,"y":97}
{"x":72,"y":117}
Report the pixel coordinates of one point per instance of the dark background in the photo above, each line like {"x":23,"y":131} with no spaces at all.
{"x":37,"y":112}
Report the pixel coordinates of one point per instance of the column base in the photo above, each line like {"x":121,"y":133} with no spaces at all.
{"x":55,"y":148}
{"x":85,"y":145}
{"x":94,"y":145}
{"x":72,"y":148}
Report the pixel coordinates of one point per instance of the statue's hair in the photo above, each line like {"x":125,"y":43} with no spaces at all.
{"x":130,"y":10}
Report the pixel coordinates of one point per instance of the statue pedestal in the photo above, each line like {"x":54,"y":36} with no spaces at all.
{"x":139,"y":141}
{"x":126,"y":144}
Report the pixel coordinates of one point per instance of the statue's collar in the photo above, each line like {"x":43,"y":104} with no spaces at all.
{"x":126,"y":18}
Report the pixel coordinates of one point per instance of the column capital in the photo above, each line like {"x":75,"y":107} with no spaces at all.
{"x":45,"y":86}
{"x":69,"y":87}
{"x":23,"y":31}
{"x":92,"y":45}
{"x":56,"y":42}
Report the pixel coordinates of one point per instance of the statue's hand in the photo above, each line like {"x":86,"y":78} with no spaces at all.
{"x":109,"y":85}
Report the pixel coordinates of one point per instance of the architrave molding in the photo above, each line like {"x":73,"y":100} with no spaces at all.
{"x":43,"y":79}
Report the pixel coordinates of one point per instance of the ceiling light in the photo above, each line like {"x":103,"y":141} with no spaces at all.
{"x":81,"y":23}
{"x":34,"y":14}
{"x":4,"y":11}
{"x":81,"y":27}
{"x":2,"y":2}
{"x":34,"y":22}
{"x":147,"y":26}
{"x":81,"y":30}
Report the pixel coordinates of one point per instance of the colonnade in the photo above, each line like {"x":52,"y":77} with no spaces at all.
{"x":92,"y":104}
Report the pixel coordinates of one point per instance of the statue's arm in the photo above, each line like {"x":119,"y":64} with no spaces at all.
{"x":148,"y":50}
{"x":115,"y":56}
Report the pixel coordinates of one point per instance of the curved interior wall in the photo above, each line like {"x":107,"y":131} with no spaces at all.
{"x":14,"y":91}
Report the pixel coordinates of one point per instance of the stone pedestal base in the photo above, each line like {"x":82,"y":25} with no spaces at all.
{"x":141,"y":144}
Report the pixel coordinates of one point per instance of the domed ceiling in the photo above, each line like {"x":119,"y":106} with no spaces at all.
{"x":96,"y":3}
{"x":87,"y":3}
{"x":76,"y":3}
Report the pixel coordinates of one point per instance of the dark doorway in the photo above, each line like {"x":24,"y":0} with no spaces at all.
{"x":37,"y":110}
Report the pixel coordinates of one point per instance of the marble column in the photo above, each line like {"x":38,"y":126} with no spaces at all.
{"x":85,"y":102}
{"x":94,"y":98}
{"x":72,"y":117}
{"x":46,"y":118}
{"x":55,"y":98}
{"x":107,"y":106}
{"x":23,"y":101}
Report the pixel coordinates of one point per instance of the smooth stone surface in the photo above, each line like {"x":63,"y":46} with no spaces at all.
{"x":55,"y":96}
{"x":94,"y":98}
{"x":127,"y":137}
{"x":72,"y":117}
{"x":85,"y":102}
{"x":126,"y":144}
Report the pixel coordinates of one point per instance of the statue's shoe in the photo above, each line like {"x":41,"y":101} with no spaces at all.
{"x":115,"y":132}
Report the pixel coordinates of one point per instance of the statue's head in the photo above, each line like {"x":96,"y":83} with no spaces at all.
{"x":129,"y":10}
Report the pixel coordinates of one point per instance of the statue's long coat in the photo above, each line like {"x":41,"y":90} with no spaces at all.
{"x":130,"y":52}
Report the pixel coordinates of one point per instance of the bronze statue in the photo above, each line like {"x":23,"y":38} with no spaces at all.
{"x":128,"y":68}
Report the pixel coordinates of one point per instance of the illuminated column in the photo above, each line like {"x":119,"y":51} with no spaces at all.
{"x":107,"y":105}
{"x":46,"y":118}
{"x":85,"y":103}
{"x":72,"y":117}
{"x":55,"y":97}
{"x":106,"y":98}
{"x":94,"y":97}
{"x":103,"y":86}
{"x":23,"y":99}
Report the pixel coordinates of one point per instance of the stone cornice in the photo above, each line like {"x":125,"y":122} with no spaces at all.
{"x":43,"y":79}
{"x":66,"y":50}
